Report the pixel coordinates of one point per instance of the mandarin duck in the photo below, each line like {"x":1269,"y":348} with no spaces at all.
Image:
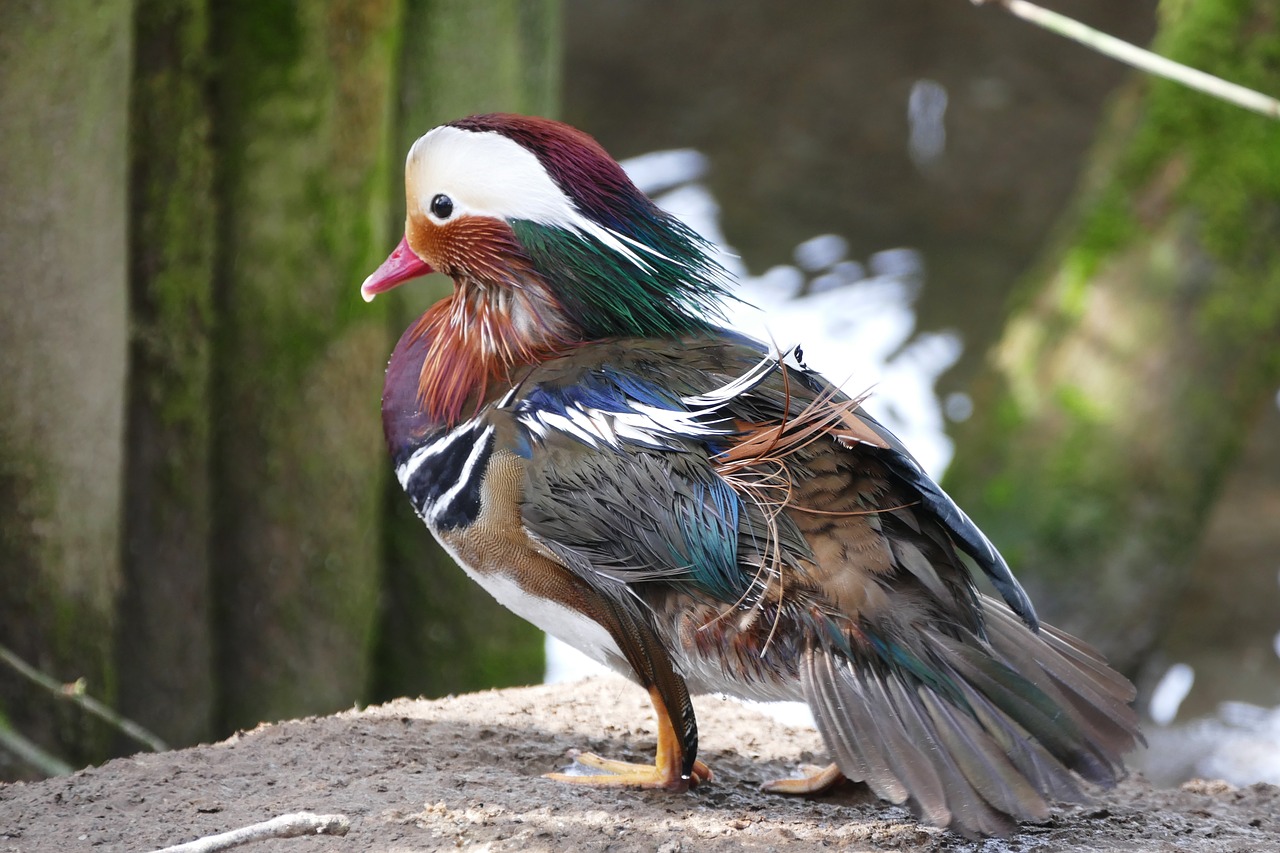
{"x":700,"y":513}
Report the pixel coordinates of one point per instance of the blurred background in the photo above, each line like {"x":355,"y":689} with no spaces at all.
{"x":1060,"y":277}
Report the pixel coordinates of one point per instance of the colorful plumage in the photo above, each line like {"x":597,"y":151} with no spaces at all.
{"x":701,"y":514}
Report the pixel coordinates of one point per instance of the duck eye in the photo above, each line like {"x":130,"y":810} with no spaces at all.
{"x":441,"y":206}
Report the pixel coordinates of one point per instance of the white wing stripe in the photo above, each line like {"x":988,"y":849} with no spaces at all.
{"x":718,"y":397}
{"x":651,"y":426}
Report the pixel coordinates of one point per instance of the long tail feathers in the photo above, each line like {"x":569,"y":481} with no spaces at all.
{"x":1010,"y":723}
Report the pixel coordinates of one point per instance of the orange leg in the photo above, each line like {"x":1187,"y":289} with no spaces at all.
{"x":665,"y":772}
{"x":818,"y":783}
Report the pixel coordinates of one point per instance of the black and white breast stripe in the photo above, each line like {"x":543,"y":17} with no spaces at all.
{"x":443,"y":476}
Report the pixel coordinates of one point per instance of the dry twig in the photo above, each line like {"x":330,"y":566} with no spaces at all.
{"x":30,"y":753}
{"x":75,"y":692}
{"x":1139,"y":58}
{"x":285,"y":826}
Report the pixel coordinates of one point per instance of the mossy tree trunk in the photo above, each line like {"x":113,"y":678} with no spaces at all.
{"x":166,"y":631}
{"x":303,"y":117}
{"x":238,"y":202}
{"x":441,"y":632}
{"x":1137,"y":357}
{"x":64,"y":92}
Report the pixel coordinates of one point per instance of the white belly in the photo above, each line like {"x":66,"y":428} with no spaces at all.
{"x":565,"y":624}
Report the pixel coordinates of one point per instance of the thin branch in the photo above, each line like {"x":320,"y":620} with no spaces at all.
{"x":1141,"y":59}
{"x":75,"y":692}
{"x":30,"y":753}
{"x":285,"y":826}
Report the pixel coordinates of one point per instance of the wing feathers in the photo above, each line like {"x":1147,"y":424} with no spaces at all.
{"x":909,"y":748}
{"x":968,"y":734}
{"x":840,"y":709}
{"x":1072,"y":675}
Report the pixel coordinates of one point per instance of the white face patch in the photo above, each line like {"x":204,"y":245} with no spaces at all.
{"x":486,"y":174}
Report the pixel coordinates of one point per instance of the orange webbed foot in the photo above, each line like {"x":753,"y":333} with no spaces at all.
{"x":815,"y":783}
{"x":625,"y":774}
{"x":667,"y":771}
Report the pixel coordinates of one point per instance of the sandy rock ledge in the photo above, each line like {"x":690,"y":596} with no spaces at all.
{"x":464,"y":773}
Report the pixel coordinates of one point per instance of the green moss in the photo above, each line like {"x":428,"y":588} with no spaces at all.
{"x":1079,"y":406}
{"x":1231,"y":174}
{"x":1234,"y":179}
{"x":1109,"y":227}
{"x":259,"y":44}
{"x":63,"y":101}
{"x":316,"y":185}
{"x":300,"y":462}
{"x":172,"y":234}
{"x":1234,"y":167}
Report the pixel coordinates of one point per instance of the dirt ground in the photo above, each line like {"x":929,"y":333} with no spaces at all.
{"x":463,"y":773}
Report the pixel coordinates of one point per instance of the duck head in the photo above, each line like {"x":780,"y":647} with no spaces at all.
{"x":506,"y":201}
{"x":549,"y":245}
